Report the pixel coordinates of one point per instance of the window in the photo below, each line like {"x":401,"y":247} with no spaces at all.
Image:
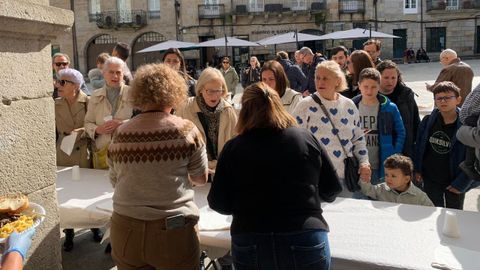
{"x":452,"y":5}
{"x":410,"y":6}
{"x":94,"y":10}
{"x":124,"y":8}
{"x":153,"y":9}
{"x":299,"y":5}
{"x":436,"y":39}
{"x":255,"y":5}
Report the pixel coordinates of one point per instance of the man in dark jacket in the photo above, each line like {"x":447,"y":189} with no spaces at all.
{"x":297,"y":79}
{"x":310,"y":62}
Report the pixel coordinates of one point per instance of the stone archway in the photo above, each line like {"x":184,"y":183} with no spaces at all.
{"x":97,"y":45}
{"x":143,"y":41}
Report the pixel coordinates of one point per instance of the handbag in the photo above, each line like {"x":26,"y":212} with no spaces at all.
{"x":351,"y":163}
{"x":100,"y":158}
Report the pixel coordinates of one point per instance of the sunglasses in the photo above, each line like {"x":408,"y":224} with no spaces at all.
{"x":63,"y":82}
{"x":225,"y":62}
{"x":59,"y":64}
{"x":444,"y":99}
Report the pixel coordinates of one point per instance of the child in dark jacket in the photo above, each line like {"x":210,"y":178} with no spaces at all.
{"x":438,"y":152}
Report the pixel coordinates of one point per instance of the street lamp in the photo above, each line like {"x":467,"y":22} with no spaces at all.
{"x":177,"y":14}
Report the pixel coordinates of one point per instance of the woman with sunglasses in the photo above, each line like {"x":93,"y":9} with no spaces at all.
{"x":230,"y":75}
{"x":213,"y":115}
{"x":174,"y":59}
{"x":70,"y":111}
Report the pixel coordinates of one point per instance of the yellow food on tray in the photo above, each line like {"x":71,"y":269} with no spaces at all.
{"x":24,"y":222}
{"x":11,"y":216}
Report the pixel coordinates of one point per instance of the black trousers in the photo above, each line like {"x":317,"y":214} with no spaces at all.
{"x":441,"y":197}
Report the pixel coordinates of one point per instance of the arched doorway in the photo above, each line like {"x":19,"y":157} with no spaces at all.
{"x":97,"y":45}
{"x":143,"y":41}
{"x":315,"y":45}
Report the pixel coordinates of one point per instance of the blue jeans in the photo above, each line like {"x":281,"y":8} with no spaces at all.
{"x":303,"y":250}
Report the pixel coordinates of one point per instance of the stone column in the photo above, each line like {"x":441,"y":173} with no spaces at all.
{"x":27,"y":119}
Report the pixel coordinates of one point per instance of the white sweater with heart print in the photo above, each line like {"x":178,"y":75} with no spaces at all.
{"x":345,"y":117}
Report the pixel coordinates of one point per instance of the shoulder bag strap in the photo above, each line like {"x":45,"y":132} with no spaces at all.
{"x":317,"y":100}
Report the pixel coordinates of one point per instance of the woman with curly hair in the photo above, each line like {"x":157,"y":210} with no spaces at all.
{"x":155,"y":159}
{"x":213,"y":115}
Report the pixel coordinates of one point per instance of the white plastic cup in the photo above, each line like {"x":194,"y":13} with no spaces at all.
{"x":450,"y":225}
{"x":75,"y":173}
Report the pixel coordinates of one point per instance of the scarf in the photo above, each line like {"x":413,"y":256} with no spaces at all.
{"x":112,"y":96}
{"x":211,"y":125}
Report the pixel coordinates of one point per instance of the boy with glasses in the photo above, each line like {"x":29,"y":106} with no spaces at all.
{"x":438,"y":152}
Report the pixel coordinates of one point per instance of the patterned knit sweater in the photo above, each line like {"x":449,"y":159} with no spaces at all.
{"x":345,"y":117}
{"x":150,"y":159}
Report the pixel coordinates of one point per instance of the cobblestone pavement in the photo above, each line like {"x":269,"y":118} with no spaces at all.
{"x":89,"y":255}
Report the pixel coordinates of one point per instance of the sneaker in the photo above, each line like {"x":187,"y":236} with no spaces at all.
{"x":470,"y":171}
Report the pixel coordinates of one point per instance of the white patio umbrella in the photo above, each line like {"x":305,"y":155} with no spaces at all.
{"x":356,"y":33}
{"x":163,"y":46}
{"x":227,"y":42}
{"x":289,"y":37}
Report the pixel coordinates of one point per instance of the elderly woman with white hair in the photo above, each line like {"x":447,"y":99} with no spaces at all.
{"x":211,"y":113}
{"x":109,"y":108}
{"x":70,"y":109}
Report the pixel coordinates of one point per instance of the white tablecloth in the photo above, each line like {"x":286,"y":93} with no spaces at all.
{"x":79,"y":200}
{"x":381,"y":235}
{"x":363,"y":234}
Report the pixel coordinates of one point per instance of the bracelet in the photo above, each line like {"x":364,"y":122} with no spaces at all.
{"x":12,"y":250}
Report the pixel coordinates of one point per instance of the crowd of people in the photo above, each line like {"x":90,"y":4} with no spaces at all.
{"x":272,"y":160}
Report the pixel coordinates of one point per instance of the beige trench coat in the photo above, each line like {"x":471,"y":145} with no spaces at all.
{"x":99,"y":108}
{"x":68,"y":118}
{"x":228,"y":120}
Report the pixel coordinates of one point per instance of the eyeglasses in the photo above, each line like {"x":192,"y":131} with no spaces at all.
{"x":63,"y":82}
{"x":444,"y":99}
{"x":213,"y":92}
{"x":59,"y":64}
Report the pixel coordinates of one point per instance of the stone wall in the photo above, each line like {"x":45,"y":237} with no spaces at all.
{"x":27,"y":137}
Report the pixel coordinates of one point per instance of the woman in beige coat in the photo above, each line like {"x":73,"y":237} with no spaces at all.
{"x":211,"y":113}
{"x":70,"y":110}
{"x":109,"y":106}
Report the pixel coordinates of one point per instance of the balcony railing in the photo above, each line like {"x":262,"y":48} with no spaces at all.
{"x":243,"y":7}
{"x":122,"y":18}
{"x":351,"y":6}
{"x":154,"y":14}
{"x":211,"y":11}
{"x":452,"y":4}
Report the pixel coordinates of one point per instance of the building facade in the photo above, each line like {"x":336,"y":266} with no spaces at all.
{"x":431,"y":24}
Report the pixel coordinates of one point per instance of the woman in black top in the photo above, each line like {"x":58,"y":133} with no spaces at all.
{"x":272,"y":178}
